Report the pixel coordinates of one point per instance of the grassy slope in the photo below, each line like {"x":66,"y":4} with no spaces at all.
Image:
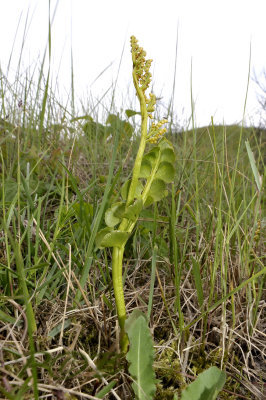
{"x":47,"y":218}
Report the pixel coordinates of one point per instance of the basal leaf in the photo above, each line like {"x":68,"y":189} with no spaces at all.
{"x":207,"y":385}
{"x":140,"y":356}
{"x":106,"y":389}
{"x":166,"y":172}
{"x":57,"y":329}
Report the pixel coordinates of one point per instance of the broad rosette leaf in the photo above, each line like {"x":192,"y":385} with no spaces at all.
{"x":207,"y":385}
{"x":141,"y":356}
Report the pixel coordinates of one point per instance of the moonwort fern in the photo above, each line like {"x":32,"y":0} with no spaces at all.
{"x":151,"y":173}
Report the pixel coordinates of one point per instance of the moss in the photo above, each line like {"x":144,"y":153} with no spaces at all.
{"x":168,"y":373}
{"x":171,"y":381}
{"x":163,"y":393}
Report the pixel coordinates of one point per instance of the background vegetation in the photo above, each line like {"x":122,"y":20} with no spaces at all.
{"x":198,"y":255}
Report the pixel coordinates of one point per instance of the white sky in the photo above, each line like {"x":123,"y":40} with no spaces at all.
{"x":214,"y":34}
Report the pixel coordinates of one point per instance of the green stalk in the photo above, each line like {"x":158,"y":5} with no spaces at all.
{"x":144,"y":120}
{"x":118,"y":252}
{"x":117,"y":267}
{"x":117,"y":238}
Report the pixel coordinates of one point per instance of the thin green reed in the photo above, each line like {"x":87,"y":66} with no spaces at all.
{"x":195,"y":171}
{"x":176,"y":257}
{"x":15,"y":239}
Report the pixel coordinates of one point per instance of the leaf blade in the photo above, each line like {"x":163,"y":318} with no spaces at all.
{"x":207,"y":385}
{"x":140,"y":356}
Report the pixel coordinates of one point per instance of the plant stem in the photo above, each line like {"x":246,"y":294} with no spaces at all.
{"x":118,"y":252}
{"x":144,"y":121}
{"x":117,"y":265}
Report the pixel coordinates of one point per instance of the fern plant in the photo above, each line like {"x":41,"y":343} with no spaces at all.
{"x":151,"y":172}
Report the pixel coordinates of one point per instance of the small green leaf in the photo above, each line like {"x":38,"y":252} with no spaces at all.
{"x":100,"y":235}
{"x":157,"y":190}
{"x":166,"y":172}
{"x":207,"y":385}
{"x":113,"y":119}
{"x":132,"y":211}
{"x":108,"y":238}
{"x":115,"y":239}
{"x":7,"y":318}
{"x":120,"y":210}
{"x":110,"y":219}
{"x":167,"y":151}
{"x":118,"y":124}
{"x":131,"y":113}
{"x":125,"y":189}
{"x":111,"y":215}
{"x":140,"y":356}
{"x":57,"y":329}
{"x":165,"y":144}
{"x":145,"y":169}
{"x":102,"y":393}
{"x":152,"y":156}
{"x":149,"y":201}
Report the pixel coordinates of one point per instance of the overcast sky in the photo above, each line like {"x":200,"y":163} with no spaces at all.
{"x":214,"y":36}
